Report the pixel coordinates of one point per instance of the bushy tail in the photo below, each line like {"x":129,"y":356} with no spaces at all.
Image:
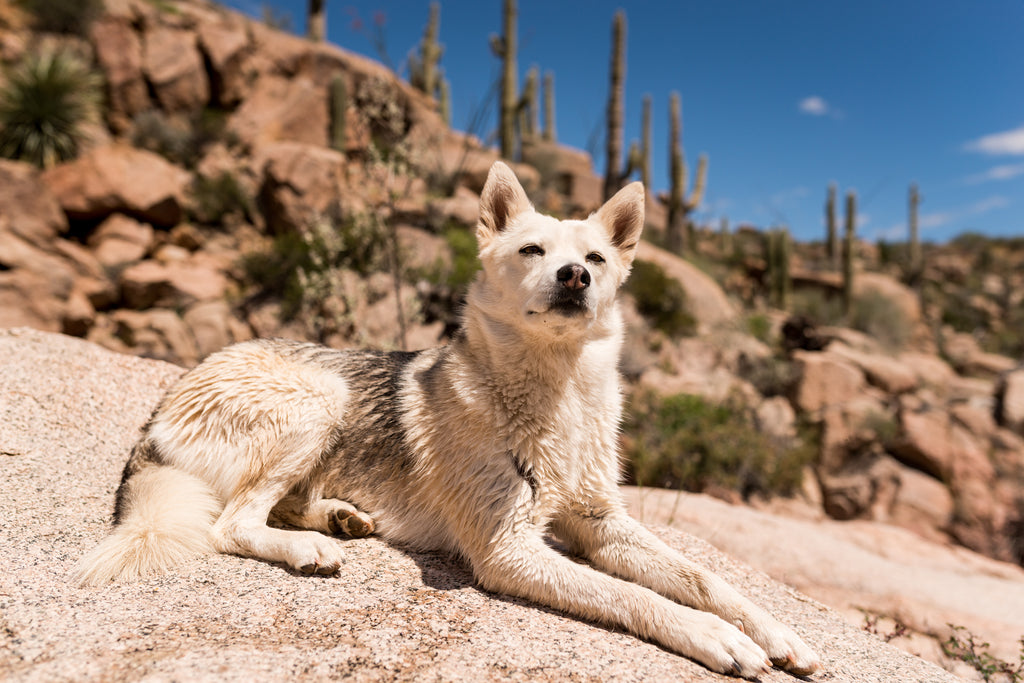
{"x":165,"y":520}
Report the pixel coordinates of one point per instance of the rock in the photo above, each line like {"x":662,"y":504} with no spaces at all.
{"x":211,"y":326}
{"x":394,"y":614}
{"x":119,"y":54}
{"x":966,"y":355}
{"x":151,"y":284}
{"x":708,"y":303}
{"x":924,"y":441}
{"x":861,"y":567}
{"x":121,"y":241}
{"x":156,"y":333}
{"x":226,"y":46}
{"x":119,"y":179}
{"x":825,"y":379}
{"x":567,"y":172}
{"x":301,"y":184}
{"x":463,"y":208}
{"x":30,"y":210}
{"x":923,"y":504}
{"x":776,"y":417}
{"x":1010,"y":401}
{"x":282,"y":110}
{"x":884,"y":372}
{"x":174,"y":68}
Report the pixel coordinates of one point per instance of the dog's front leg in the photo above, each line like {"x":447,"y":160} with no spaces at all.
{"x":522,"y":565}
{"x":616,"y":543}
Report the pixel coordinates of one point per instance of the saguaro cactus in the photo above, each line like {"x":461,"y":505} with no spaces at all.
{"x":316,"y":19}
{"x":549,"y":107}
{"x":645,"y":144}
{"x":529,"y":125}
{"x":832,"y":231}
{"x":504,"y":47}
{"x":423,"y":70}
{"x":614,"y":114}
{"x":914,"y":239}
{"x":848,"y":247}
{"x":680,"y":205}
{"x":338,"y":106}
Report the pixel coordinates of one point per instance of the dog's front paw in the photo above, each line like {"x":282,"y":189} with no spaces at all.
{"x":784,"y":647}
{"x":315,"y":553}
{"x":722,"y":647}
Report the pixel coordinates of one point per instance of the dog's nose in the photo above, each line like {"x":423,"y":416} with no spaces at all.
{"x":574,"y":276}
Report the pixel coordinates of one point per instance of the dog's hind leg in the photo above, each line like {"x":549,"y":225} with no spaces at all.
{"x":242,"y":527}
{"x":326,"y":515}
{"x":616,"y":543}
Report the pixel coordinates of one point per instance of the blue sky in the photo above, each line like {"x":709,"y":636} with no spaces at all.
{"x":783,"y":96}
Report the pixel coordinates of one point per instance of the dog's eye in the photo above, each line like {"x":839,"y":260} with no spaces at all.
{"x":594,"y":257}
{"x":531,"y":250}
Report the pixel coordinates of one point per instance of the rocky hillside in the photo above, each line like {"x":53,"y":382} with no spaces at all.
{"x":237,"y":181}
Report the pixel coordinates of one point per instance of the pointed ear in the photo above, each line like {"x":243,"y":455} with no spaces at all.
{"x":623,"y":217}
{"x":502,"y":199}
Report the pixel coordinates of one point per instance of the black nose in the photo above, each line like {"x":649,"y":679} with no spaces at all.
{"x":574,"y":276}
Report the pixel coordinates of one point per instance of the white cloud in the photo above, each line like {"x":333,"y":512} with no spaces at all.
{"x":1007,"y":142}
{"x":814,"y":105}
{"x":1004,"y":172}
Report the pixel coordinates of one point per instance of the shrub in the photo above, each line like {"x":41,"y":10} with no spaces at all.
{"x":181,"y":140}
{"x":881,"y":318}
{"x":818,"y":307}
{"x":686,"y":442}
{"x":660,"y":299}
{"x":44,"y":105}
{"x":964,"y":646}
{"x":63,"y":16}
{"x":220,"y":198}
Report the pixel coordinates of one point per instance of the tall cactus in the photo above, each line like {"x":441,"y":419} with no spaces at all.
{"x":504,"y":47}
{"x":832,"y":231}
{"x":338,"y":106}
{"x":725,"y":237}
{"x":778,"y":250}
{"x":679,"y":204}
{"x":614,"y":114}
{"x":914,"y":244}
{"x":529,"y":125}
{"x":848,"y":247}
{"x":549,"y":107}
{"x":645,"y":143}
{"x":423,"y":69}
{"x":316,"y":20}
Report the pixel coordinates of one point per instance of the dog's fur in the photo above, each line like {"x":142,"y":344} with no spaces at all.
{"x":477,"y":448}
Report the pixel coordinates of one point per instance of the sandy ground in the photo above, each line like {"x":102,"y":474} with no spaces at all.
{"x":69,"y":411}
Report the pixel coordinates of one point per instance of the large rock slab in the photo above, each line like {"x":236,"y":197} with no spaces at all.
{"x":119,"y":178}
{"x":70,"y":412}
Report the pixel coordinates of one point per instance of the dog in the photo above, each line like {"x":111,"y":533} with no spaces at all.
{"x":270,"y":448}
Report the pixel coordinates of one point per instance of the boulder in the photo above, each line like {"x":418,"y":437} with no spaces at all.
{"x":174,"y":69}
{"x":301,"y":183}
{"x":826,"y":379}
{"x":155,"y":333}
{"x":1010,"y":400}
{"x":922,"y":504}
{"x":707,"y":301}
{"x":119,"y":178}
{"x":67,"y":421}
{"x":151,"y":283}
{"x":463,"y":208}
{"x":282,"y":110}
{"x":924,"y":441}
{"x":885,"y":372}
{"x":119,"y":54}
{"x":226,"y":46}
{"x":121,"y":241}
{"x":568,"y":172}
{"x":30,"y":210}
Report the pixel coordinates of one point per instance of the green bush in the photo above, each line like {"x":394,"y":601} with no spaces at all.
{"x":686,"y":442}
{"x":218,"y":199}
{"x":881,"y":318}
{"x":661,"y":299}
{"x":44,"y":104}
{"x":63,"y":16}
{"x":818,"y":306}
{"x":181,"y":140}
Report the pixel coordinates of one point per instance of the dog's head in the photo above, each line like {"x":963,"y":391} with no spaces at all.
{"x":553,"y":275}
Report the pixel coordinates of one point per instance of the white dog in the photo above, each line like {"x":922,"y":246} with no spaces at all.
{"x":479,"y":448}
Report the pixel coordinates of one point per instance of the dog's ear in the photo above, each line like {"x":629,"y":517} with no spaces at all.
{"x":502,"y":199}
{"x":623,"y":217}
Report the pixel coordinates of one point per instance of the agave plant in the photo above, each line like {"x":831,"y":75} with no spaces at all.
{"x":44,"y":104}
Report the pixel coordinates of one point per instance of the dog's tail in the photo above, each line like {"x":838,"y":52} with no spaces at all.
{"x":162,"y":517}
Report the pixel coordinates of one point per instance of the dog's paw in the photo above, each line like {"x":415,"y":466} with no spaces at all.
{"x":354,"y":523}
{"x":315,"y":553}
{"x":722,"y":647}
{"x":784,"y":647}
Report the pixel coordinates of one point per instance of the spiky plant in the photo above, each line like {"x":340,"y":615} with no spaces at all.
{"x":44,"y":105}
